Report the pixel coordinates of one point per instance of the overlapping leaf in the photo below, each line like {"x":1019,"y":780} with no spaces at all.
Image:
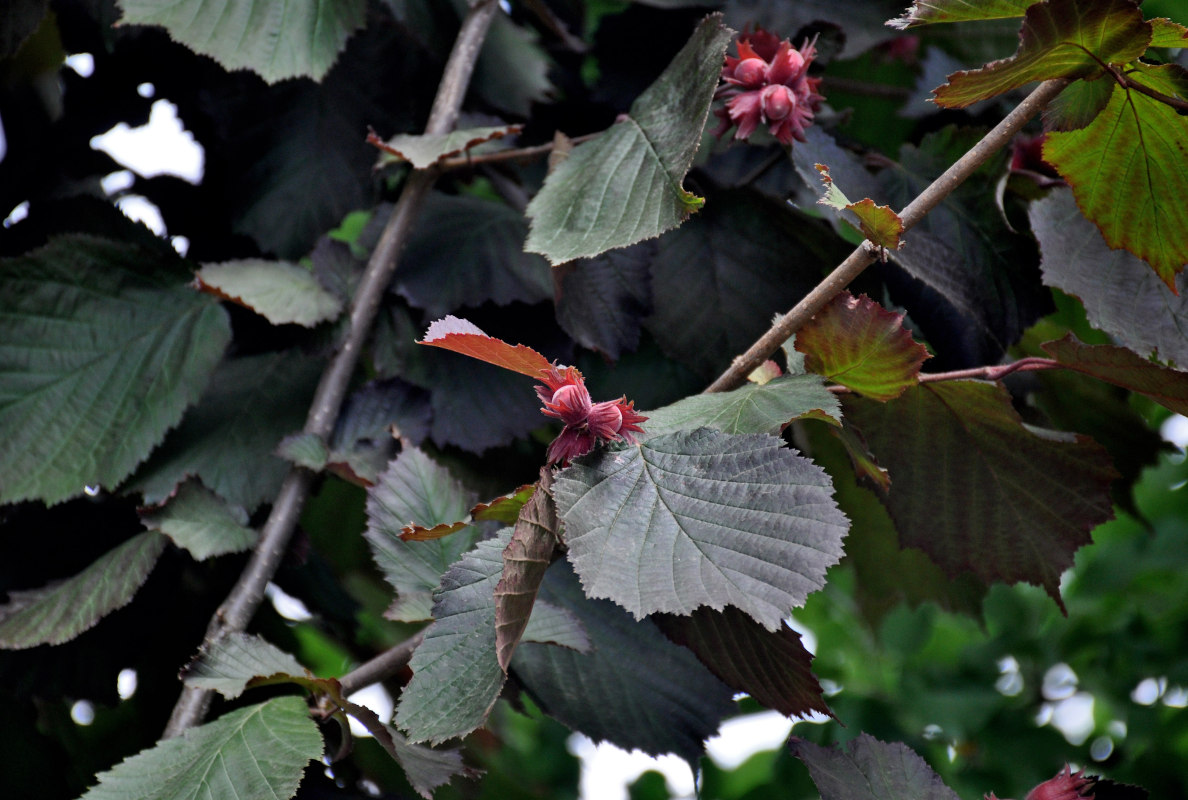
{"x":1121,"y":367}
{"x":456,"y":672}
{"x":867,"y":769}
{"x":981,"y":492}
{"x":415,"y":489}
{"x":1128,"y":166}
{"x":103,"y":348}
{"x":856,"y":342}
{"x":634,"y":688}
{"x":701,"y":518}
{"x":200,"y":521}
{"x":1078,"y":104}
{"x":525,"y":560}
{"x":879,"y":224}
{"x":290,"y":39}
{"x":279,"y":291}
{"x":752,"y":408}
{"x":1059,"y":39}
{"x":462,"y":336}
{"x":426,"y":150}
{"x":1121,"y":295}
{"x":364,"y":437}
{"x":603,"y":300}
{"x":426,"y":768}
{"x":61,"y":611}
{"x":625,"y":186}
{"x":232,"y":662}
{"x":255,"y":753}
{"x":925,"y":13}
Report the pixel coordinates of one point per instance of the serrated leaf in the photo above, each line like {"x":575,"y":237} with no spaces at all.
{"x":464,"y":337}
{"x":198,"y":520}
{"x":525,"y":560}
{"x":1121,"y":294}
{"x":456,"y":673}
{"x":856,"y":342}
{"x":1078,"y":104}
{"x":305,"y":450}
{"x":293,"y":38}
{"x":103,"y":349}
{"x":505,"y":509}
{"x":281,"y":292}
{"x":372,"y":422}
{"x":772,"y":667}
{"x":602,"y":301}
{"x":552,"y":624}
{"x":1121,"y":367}
{"x":229,"y":439}
{"x":634,"y":688}
{"x":1059,"y":39}
{"x":701,"y":519}
{"x":1128,"y":166}
{"x":61,"y":611}
{"x":933,"y":11}
{"x":867,"y":769}
{"x":879,"y":224}
{"x":256,"y":752}
{"x":625,"y":186}
{"x":232,"y":662}
{"x":424,"y":151}
{"x":415,"y":488}
{"x":1166,"y":33}
{"x":425,"y":768}
{"x":753,"y":408}
{"x":981,"y":492}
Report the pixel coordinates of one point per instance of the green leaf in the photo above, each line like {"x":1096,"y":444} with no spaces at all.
{"x":256,"y":752}
{"x":867,"y":769}
{"x":701,"y":519}
{"x":305,"y":450}
{"x":925,"y":13}
{"x":279,"y":291}
{"x":425,"y":768}
{"x":289,"y":39}
{"x":200,"y":521}
{"x":1059,"y":39}
{"x":525,"y":560}
{"x":981,"y":492}
{"x":104,"y":347}
{"x":879,"y":224}
{"x":229,"y":439}
{"x":1121,"y":295}
{"x":513,"y":67}
{"x":230,"y":664}
{"x":856,"y":342}
{"x":634,"y":688}
{"x":772,"y":667}
{"x":625,"y":186}
{"x":415,"y":488}
{"x":1166,"y":33}
{"x":426,"y":150}
{"x":456,"y":673}
{"x":1121,"y":367}
{"x":552,"y":624}
{"x":1078,"y":104}
{"x":1127,"y":168}
{"x":61,"y":611}
{"x":751,"y":408}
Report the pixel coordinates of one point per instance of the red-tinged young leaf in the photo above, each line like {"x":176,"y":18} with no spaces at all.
{"x":461,"y":336}
{"x":980,"y":492}
{"x":925,"y":13}
{"x":771,"y":666}
{"x":867,"y":769}
{"x":1122,"y":367}
{"x":1059,"y":39}
{"x":859,"y":344}
{"x":1128,"y":170}
{"x":424,"y":150}
{"x":419,"y":533}
{"x":525,"y":560}
{"x":1166,"y":33}
{"x":505,"y":509}
{"x":879,"y":224}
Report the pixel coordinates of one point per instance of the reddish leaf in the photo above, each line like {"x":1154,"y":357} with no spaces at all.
{"x":505,"y":509}
{"x":977,"y":490}
{"x":1059,"y":39}
{"x":419,"y":533}
{"x":425,"y":151}
{"x":461,"y":336}
{"x":857,"y":343}
{"x":879,"y":224}
{"x":771,"y":666}
{"x":1124,"y":368}
{"x":525,"y":560}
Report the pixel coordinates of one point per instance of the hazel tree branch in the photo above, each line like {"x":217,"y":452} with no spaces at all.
{"x":864,"y":255}
{"x":989,"y":373}
{"x":244,"y":598}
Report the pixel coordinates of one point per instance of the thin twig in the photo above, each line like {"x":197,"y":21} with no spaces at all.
{"x":863,"y":256}
{"x":519,"y":154}
{"x":245,"y":597}
{"x":991,"y":373}
{"x":383,"y":666}
{"x":1174,"y":102}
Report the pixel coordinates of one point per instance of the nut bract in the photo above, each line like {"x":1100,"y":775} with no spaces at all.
{"x":768,"y":83}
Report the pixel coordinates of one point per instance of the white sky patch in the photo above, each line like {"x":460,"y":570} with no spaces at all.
{"x":82,"y":63}
{"x":1175,"y":430}
{"x":162,"y":147}
{"x":139,"y":209}
{"x":126,"y":683}
{"x":377,"y":698}
{"x":608,"y":770}
{"x":288,"y":606}
{"x":742,"y":737}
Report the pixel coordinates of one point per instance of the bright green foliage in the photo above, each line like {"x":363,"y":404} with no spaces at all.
{"x":924,"y":13}
{"x":277,"y":40}
{"x":1127,"y":168}
{"x":867,"y":769}
{"x":700,"y":519}
{"x":857,"y":343}
{"x":101,"y":356}
{"x":425,"y":151}
{"x":255,"y":753}
{"x":1060,"y":39}
{"x":625,"y":186}
{"x":752,"y":408}
{"x":200,"y":521}
{"x":59,"y":612}
{"x":230,"y":664}
{"x":1166,"y":33}
{"x":281,"y":292}
{"x":1078,"y":104}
